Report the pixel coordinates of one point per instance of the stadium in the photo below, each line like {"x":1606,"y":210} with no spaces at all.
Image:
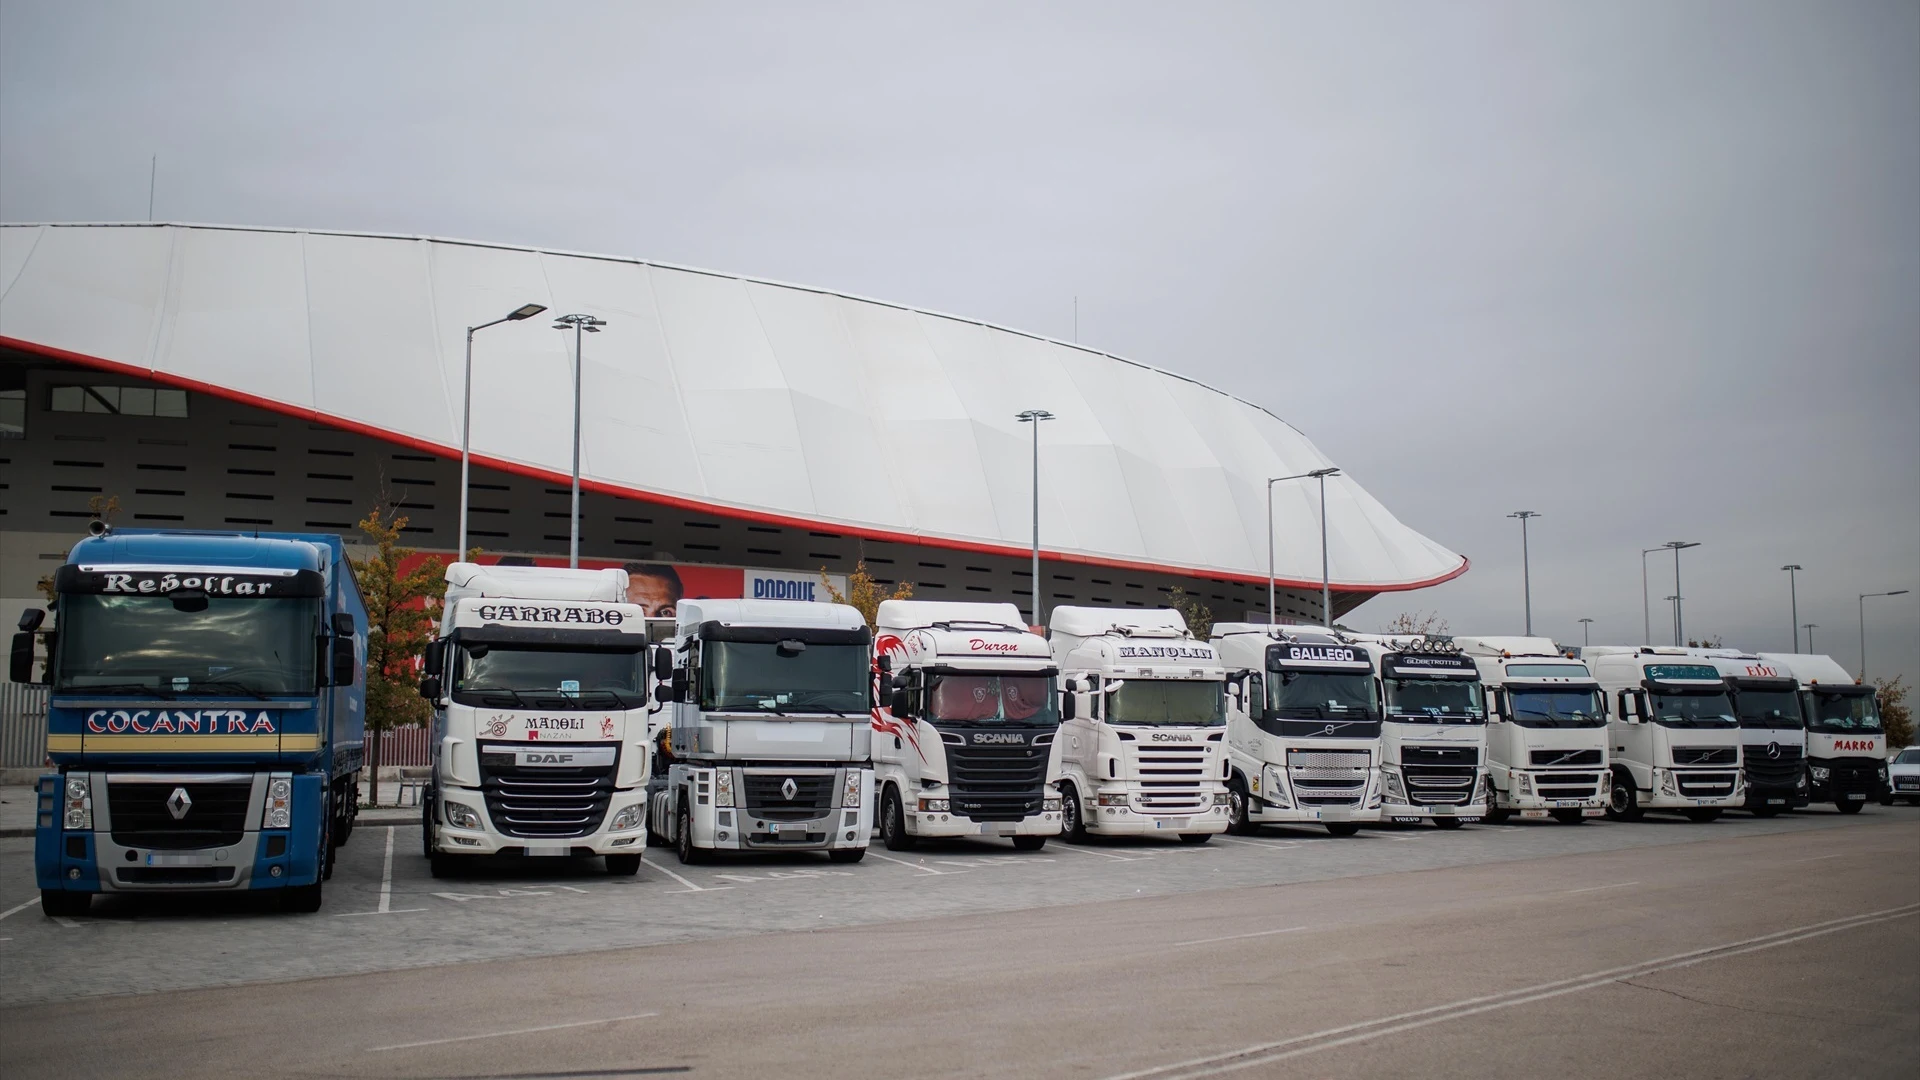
{"x":736,"y":434}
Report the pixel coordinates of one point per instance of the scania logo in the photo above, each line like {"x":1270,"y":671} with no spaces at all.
{"x":788,"y":789}
{"x":1002,"y":737}
{"x":1162,"y":736}
{"x":179,"y":803}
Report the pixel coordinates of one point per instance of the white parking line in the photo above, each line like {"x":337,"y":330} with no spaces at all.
{"x":1270,"y":845}
{"x":1817,"y":858}
{"x":1597,"y":888}
{"x":691,"y":887}
{"x":515,"y":1031}
{"x":395,"y":911}
{"x":1105,"y":855}
{"x":911,"y":866}
{"x":1236,"y":937}
{"x":66,"y":922}
{"x":21,"y":906}
{"x":386,"y":877}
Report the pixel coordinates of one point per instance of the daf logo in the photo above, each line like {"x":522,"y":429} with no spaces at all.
{"x":788,"y":789}
{"x":980,"y":737}
{"x":1773,"y":749}
{"x":545,"y":759}
{"x":179,"y":803}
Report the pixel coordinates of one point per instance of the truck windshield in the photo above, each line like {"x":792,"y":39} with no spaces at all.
{"x":1552,"y":707}
{"x":1187,"y":702}
{"x":1436,"y":701}
{"x":1768,"y":709}
{"x":1321,"y":695}
{"x":143,"y":644}
{"x":1843,"y":712}
{"x":1700,"y":710}
{"x":992,"y":699}
{"x":781,"y":679}
{"x":551,"y":678}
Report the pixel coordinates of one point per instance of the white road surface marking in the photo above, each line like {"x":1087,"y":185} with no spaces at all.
{"x":1105,"y":855}
{"x":395,"y":911}
{"x":21,"y":906}
{"x":515,"y":1031}
{"x":1597,"y":888}
{"x":691,"y":887}
{"x":911,"y":866}
{"x":386,"y":877}
{"x":1238,"y":937}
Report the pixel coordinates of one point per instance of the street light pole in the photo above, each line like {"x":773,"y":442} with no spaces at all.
{"x":524,"y":311}
{"x":589,"y":325}
{"x":1586,"y":638}
{"x":1863,"y":626}
{"x":1326,"y":591}
{"x":1679,"y":633}
{"x":1810,"y":628}
{"x":1793,"y":596}
{"x":1526,"y":564}
{"x":1646,"y":607}
{"x":1035,"y":417}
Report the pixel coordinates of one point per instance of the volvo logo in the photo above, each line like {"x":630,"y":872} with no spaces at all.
{"x":179,"y":803}
{"x":788,"y":789}
{"x":1773,"y":749}
{"x":1329,"y":730}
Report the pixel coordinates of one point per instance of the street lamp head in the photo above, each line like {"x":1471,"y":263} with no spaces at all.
{"x":525,"y":311}
{"x":1681,"y":545}
{"x":1525,"y":514}
{"x":1328,"y":471}
{"x":1896,"y":592}
{"x":1033,"y":416}
{"x":584,"y":322}
{"x":1793,"y":566}
{"x":1586,"y":620}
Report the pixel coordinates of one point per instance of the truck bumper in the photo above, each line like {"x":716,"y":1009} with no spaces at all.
{"x":1775,"y":798}
{"x":1267,"y":814}
{"x":932,"y":825}
{"x":1126,"y":821}
{"x":1406,"y":812}
{"x":488,"y":840}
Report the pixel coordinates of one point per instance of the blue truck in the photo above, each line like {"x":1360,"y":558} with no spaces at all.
{"x":206,"y":716}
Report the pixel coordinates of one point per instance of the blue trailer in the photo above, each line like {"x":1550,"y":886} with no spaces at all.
{"x":206,"y":716}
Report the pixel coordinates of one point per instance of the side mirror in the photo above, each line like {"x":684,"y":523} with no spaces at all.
{"x":900,"y":705}
{"x":677,"y":685}
{"x":342,"y":624}
{"x":663,"y":663}
{"x":1256,"y":697}
{"x":345,"y":661}
{"x":430,"y":687}
{"x":20,"y":667}
{"x":885,"y":663}
{"x":1067,"y":700}
{"x":31,"y":618}
{"x":433,"y":660}
{"x":1496,"y":705}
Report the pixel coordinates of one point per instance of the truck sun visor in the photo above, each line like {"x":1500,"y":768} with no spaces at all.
{"x":773,"y":635}
{"x":557,"y":637}
{"x":215,"y":581}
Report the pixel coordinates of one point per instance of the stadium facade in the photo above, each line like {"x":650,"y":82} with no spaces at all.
{"x":744,"y":432}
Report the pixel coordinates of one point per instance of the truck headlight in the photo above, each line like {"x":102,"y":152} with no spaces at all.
{"x":1276,"y":793}
{"x":1111,"y":798}
{"x":1523,"y":782}
{"x":1396,"y":788}
{"x":461,"y":816}
{"x":723,"y":787}
{"x":79,"y":806}
{"x":1219,"y":798}
{"x":628,"y":818}
{"x":933,"y":806}
{"x":1664,"y":778}
{"x":1820,"y":773}
{"x":80,"y":820}
{"x":850,"y":791}
{"x":76,"y":788}
{"x":1051,"y":804}
{"x":278,"y":812}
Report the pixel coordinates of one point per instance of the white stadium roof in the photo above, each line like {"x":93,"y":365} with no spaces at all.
{"x":712,"y":392}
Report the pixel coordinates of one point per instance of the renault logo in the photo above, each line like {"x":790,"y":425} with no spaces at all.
{"x":789,"y":789}
{"x":179,"y":803}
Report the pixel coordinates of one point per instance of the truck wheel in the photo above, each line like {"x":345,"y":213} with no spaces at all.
{"x":426,"y":823}
{"x":1702,"y":814}
{"x":1073,"y":825}
{"x":1239,"y":821}
{"x":1029,"y":843}
{"x":893,"y":822}
{"x":1568,"y":817}
{"x":1850,"y":806}
{"x":1343,"y":828}
{"x":304,"y":899}
{"x":56,"y":903}
{"x":1446,"y":823}
{"x":1497,"y":815}
{"x":623,"y":865}
{"x":847,"y":854}
{"x":1195,"y":837}
{"x":1886,"y":800}
{"x":442,"y":865}
{"x":683,"y":839}
{"x":1623,"y":802}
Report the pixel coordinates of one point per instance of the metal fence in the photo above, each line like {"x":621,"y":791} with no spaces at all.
{"x":406,"y":746}
{"x":23,"y":726}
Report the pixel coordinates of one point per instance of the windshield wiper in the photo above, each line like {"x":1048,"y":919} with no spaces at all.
{"x":121,"y":688}
{"x":229,"y":684}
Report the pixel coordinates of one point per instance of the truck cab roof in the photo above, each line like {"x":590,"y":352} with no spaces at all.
{"x":1136,"y":642}
{"x":238,"y":551}
{"x":924,"y":632}
{"x":1812,"y":669}
{"x":772,"y":614}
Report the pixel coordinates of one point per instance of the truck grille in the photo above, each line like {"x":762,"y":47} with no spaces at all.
{"x":1778,"y":770}
{"x":545,"y":803}
{"x":813,"y":795}
{"x":1550,"y":758}
{"x":1173,"y":779}
{"x":1439,"y":755}
{"x":1562,"y":785}
{"x":1852,"y":775}
{"x":997,"y":783}
{"x":1440,"y":785}
{"x":1706,"y":755}
{"x":1328,"y":777}
{"x":1704,"y":784}
{"x":216,"y":817}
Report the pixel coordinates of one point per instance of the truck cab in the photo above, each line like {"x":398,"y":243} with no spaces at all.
{"x":1303,"y":728}
{"x":1142,"y":746}
{"x":1846,"y":741}
{"x":539,"y":687}
{"x":1676,"y":739}
{"x":1547,"y":749}
{"x":1773,"y":731}
{"x":1433,"y":737}
{"x":206,"y":718}
{"x":769,"y":744}
{"x":963,"y":736}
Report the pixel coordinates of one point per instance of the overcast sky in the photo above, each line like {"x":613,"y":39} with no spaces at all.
{"x":1652,"y":270}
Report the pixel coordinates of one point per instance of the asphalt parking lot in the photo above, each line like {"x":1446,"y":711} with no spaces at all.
{"x":383,"y":911}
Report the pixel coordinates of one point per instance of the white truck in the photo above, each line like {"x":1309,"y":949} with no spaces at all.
{"x":1433,"y":737}
{"x":1142,"y":745}
{"x":1846,"y":741}
{"x":769,"y":736}
{"x":963,"y":738}
{"x":1773,"y":757}
{"x":539,"y":687}
{"x":1303,"y":728}
{"x":1547,"y":747}
{"x":1675,"y":739}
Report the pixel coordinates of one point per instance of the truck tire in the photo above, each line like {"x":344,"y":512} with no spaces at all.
{"x":1342,"y":828}
{"x":847,"y":854}
{"x":1497,"y":815}
{"x":1195,"y":837}
{"x":1029,"y":843}
{"x":303,"y":899}
{"x":426,"y":823}
{"x":1569,"y":817}
{"x":1702,"y":814}
{"x":1623,"y":801}
{"x":442,"y":865}
{"x":1073,"y":823}
{"x":893,"y":822}
{"x":623,"y":865}
{"x":683,"y":845}
{"x":1239,"y":820}
{"x":1850,"y":806}
{"x":59,"y":903}
{"x":1446,"y":823}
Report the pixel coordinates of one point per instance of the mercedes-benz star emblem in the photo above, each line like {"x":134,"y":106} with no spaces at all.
{"x":789,"y":789}
{"x":179,"y":803}
{"x":1773,"y":749}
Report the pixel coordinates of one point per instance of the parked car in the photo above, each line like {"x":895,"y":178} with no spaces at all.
{"x":1903,"y":777}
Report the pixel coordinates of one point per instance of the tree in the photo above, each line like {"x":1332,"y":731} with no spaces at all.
{"x":1895,"y":714}
{"x":1417,"y":624}
{"x":1705,"y":643}
{"x":399,"y":627}
{"x":1198,"y":615}
{"x":864,"y":594}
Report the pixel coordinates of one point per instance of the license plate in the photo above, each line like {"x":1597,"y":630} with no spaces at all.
{"x":1857,"y":795}
{"x":179,"y":860}
{"x":1441,"y":811}
{"x":1171,"y":823}
{"x":1776,"y":802}
{"x":773,"y":826}
{"x":1333,"y":813}
{"x":1593,"y":811}
{"x":549,"y":849}
{"x":1533,"y":813}
{"x":1567,"y":804}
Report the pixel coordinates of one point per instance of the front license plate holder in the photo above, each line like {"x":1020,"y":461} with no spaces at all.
{"x":548,"y":851}
{"x":196,"y":859}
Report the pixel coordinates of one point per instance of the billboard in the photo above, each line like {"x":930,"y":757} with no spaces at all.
{"x":658,"y":587}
